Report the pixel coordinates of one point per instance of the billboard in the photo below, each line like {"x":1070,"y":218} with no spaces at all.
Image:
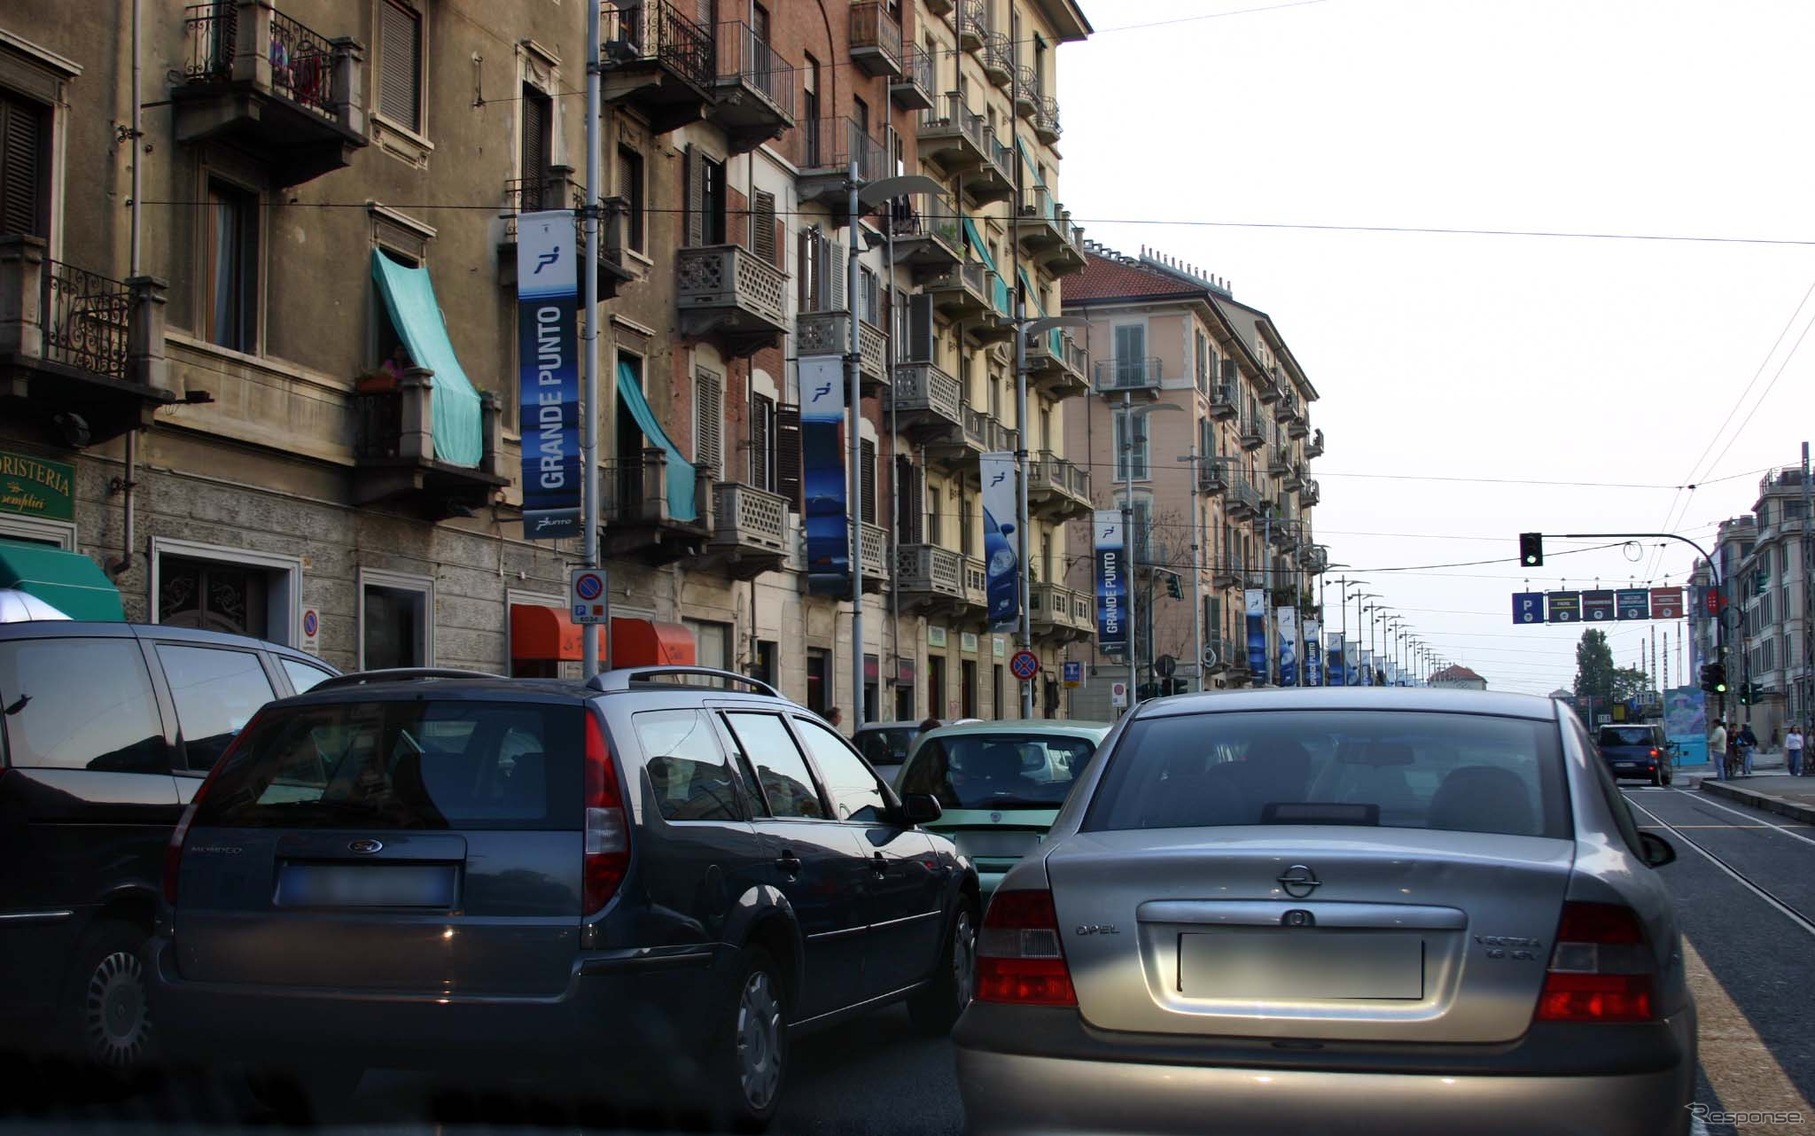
{"x":548,"y":375}
{"x":1337,"y":654}
{"x":829,"y":519}
{"x":1286,"y":619}
{"x":1256,"y":600}
{"x":1001,"y":540}
{"x":1112,"y":582}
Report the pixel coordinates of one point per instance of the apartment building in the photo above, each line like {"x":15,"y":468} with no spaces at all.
{"x":269,"y":343}
{"x":1221,"y":495}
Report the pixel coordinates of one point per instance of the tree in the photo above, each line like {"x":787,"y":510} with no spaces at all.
{"x":1594,"y":666}
{"x":1630,"y":683}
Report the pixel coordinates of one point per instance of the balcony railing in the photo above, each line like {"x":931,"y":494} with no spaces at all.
{"x":749,"y":519}
{"x":728,"y":289}
{"x":914,"y":89}
{"x":926,"y":232}
{"x":394,"y":446}
{"x":755,"y":86}
{"x":873,"y":547}
{"x":1212,"y":477}
{"x":998,"y":58}
{"x":1046,"y":120}
{"x":1252,"y":435}
{"x":827,"y":146}
{"x":657,"y":31}
{"x":829,"y":333}
{"x":929,"y":569}
{"x":973,"y":24}
{"x":301,"y":60}
{"x":961,"y":289}
{"x":553,"y":190}
{"x":1027,"y":90}
{"x":1054,"y":476}
{"x":875,"y":39}
{"x":87,"y":320}
{"x":1224,"y":402}
{"x":1314,"y":447}
{"x":954,"y":135}
{"x":1310,"y":493}
{"x":1116,"y":375}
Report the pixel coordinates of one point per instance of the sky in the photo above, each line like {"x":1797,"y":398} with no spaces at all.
{"x":1473,"y":386}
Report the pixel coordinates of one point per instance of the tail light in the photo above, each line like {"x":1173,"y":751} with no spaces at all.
{"x":607,"y":827}
{"x":1654,"y":752}
{"x":1019,"y":956}
{"x":173,"y":851}
{"x":1601,"y":969}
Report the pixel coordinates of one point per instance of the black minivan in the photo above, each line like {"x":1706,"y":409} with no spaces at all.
{"x":106,"y":730}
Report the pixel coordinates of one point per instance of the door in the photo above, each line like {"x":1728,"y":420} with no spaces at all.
{"x":215,"y":691}
{"x":814,"y":861}
{"x":903,"y":899}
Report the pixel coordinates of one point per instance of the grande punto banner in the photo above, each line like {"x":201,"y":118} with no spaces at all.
{"x":1287,"y":620}
{"x":548,"y":375}
{"x":1257,"y":636}
{"x":1112,"y":582}
{"x":1001,"y":539}
{"x":829,"y":517}
{"x":1313,"y":652}
{"x":1337,"y":653}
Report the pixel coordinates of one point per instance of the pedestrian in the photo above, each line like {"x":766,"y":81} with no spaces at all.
{"x":1717,"y":749}
{"x":835,"y":716}
{"x":1792,"y":749}
{"x":1748,"y":743}
{"x":929,"y":724}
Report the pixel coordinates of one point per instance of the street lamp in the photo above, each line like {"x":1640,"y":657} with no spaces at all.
{"x":1133,"y":415}
{"x":1025,"y":327}
{"x":1358,"y":595}
{"x":1323,"y":616}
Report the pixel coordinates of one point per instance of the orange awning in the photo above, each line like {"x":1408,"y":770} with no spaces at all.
{"x":645,"y":643}
{"x":538,"y":632}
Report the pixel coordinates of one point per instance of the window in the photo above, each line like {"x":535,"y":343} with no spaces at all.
{"x":781,"y":772}
{"x":762,"y":442}
{"x":713,"y":643}
{"x":1130,"y":355}
{"x":304,"y":677}
{"x":869,"y":288}
{"x":1203,"y":362}
{"x":768,"y":668}
{"x":1130,"y":446}
{"x":24,"y":166}
{"x":821,"y":270}
{"x":687,"y":768}
{"x":866,"y":450}
{"x":852,"y":785}
{"x":910,"y":500}
{"x":1005,"y":771}
{"x":400,"y":64}
{"x":708,"y":422}
{"x":809,"y":113}
{"x":231,"y":270}
{"x":706,"y":200}
{"x":80,"y":704}
{"x":630,"y":186}
{"x":216,"y":693}
{"x":537,"y":150}
{"x":396,"y":621}
{"x":762,"y":225}
{"x":819,"y":671}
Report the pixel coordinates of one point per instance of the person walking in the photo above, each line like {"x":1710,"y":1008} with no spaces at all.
{"x":1792,"y":749}
{"x":1717,"y":749}
{"x":1748,"y":744}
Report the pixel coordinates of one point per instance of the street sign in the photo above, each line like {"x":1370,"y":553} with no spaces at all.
{"x":1635,"y":603}
{"x":1564,"y":607}
{"x":311,"y":630}
{"x":1074,"y":674}
{"x":586,"y":598}
{"x":1666,"y":603}
{"x":1118,"y":695}
{"x":1025,"y":665}
{"x":1164,"y":666}
{"x":1528,"y":607}
{"x":1597,"y":607}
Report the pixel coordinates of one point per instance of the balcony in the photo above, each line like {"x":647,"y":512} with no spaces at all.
{"x":1046,"y":120}
{"x":1046,"y":233}
{"x":1253,"y":437}
{"x":754,"y":87}
{"x":1137,"y":377}
{"x":1053,"y":613}
{"x":1057,"y":489}
{"x":1056,"y":365}
{"x":1268,"y":386}
{"x":1309,"y":492}
{"x":1225,"y":573}
{"x":394,"y":453}
{"x":1224,"y":402}
{"x":81,"y":356}
{"x":960,"y":141}
{"x":998,"y":59}
{"x":1296,"y":426}
{"x":938,"y":7}
{"x":749,"y":531}
{"x":1242,"y":499}
{"x":1221,"y":653}
{"x":998,"y":322}
{"x":1314,"y":447}
{"x":960,"y":292}
{"x":1027,"y":91}
{"x":973,"y":24}
{"x":639,"y":521}
{"x":957,"y":452}
{"x":1279,"y":463}
{"x":913,"y":90}
{"x":1314,"y":558}
{"x":1285,"y":409}
{"x":1212,"y":477}
{"x":263,"y":83}
{"x":829,"y":333}
{"x":822,"y":151}
{"x":873,"y":548}
{"x":976,"y":588}
{"x":875,"y":39}
{"x":556,"y":189}
{"x":729,"y":292}
{"x":1294,"y":478}
{"x":658,"y":61}
{"x":929,"y":579}
{"x":925,"y":234}
{"x":926,"y":402}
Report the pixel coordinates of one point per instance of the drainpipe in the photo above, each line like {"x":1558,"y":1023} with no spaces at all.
{"x":124,"y":485}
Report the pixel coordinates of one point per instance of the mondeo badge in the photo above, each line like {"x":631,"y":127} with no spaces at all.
{"x":1299,"y":881}
{"x":366,"y":846}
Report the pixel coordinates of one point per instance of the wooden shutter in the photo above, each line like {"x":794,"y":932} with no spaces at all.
{"x":806,"y":268}
{"x":708,"y":420}
{"x":696,"y":197}
{"x":22,"y":167}
{"x":787,"y":455}
{"x":910,"y":501}
{"x":762,"y":225}
{"x":836,"y":268}
{"x":400,"y":64}
{"x":920,"y":344}
{"x":866,"y":463}
{"x":762,"y":442}
{"x":536,"y":156}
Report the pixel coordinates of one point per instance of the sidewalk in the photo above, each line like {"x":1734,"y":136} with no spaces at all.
{"x":1770,"y":788}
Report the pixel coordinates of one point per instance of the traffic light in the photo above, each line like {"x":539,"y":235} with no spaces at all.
{"x":1174,"y":587}
{"x":1745,"y":694}
{"x":1714,"y":678}
{"x":1531,"y":549}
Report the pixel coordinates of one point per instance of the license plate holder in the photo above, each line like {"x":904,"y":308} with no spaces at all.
{"x":1301,"y":965}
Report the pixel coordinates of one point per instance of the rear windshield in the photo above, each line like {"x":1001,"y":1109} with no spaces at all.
{"x":888,"y":746}
{"x":999,"y":771}
{"x":1457,"y":772}
{"x":1626,"y":735}
{"x":403,"y":765}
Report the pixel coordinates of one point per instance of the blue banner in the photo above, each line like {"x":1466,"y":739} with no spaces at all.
{"x":1286,"y":619}
{"x":548,"y":375}
{"x":1635,"y":603}
{"x":1257,"y":636}
{"x":1112,"y":582}
{"x":1313,"y":653}
{"x":829,"y":518}
{"x":1337,"y":654}
{"x":1001,"y":539}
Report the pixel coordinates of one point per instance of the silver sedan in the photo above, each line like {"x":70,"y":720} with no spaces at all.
{"x":1405,"y":911}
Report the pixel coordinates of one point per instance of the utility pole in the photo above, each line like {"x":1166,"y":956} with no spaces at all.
{"x":589,"y":398}
{"x":854,"y":449}
{"x":1808,"y":595}
{"x":1129,"y":542}
{"x":1197,"y":567}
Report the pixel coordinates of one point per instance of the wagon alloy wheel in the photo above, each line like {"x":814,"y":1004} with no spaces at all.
{"x":108,"y":1014}
{"x":759,"y":1053}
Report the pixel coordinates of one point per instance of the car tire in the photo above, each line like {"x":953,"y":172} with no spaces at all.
{"x":106,"y":1014}
{"x":935,"y":1007}
{"x":750,"y":1065}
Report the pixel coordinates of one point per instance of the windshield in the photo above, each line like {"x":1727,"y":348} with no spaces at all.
{"x":1627,"y":736}
{"x":887,"y":745}
{"x":999,"y":771}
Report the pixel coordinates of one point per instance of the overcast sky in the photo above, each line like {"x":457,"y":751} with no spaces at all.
{"x":1619,"y":368}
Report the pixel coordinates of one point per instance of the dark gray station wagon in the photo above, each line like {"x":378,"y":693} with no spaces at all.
{"x":637,"y":876}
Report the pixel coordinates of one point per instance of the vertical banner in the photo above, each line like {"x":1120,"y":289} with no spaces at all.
{"x":1287,"y":620}
{"x":1313,"y":653}
{"x":1351,"y":664}
{"x":829,"y":517}
{"x":1337,"y":665}
{"x":1256,"y":599}
{"x":1112,"y":582}
{"x":1001,"y":539}
{"x":1367,"y":666}
{"x":548,"y":375}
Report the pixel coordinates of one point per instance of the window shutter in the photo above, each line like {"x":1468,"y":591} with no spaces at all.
{"x":708,"y":419}
{"x":21,"y":167}
{"x":787,"y":455}
{"x":920,"y":328}
{"x":400,"y":64}
{"x":835,"y":273}
{"x":536,"y":155}
{"x":1229,"y":373}
{"x":696,"y":197}
{"x":762,"y":441}
{"x":866,"y":459}
{"x":762,"y":225}
{"x":806,"y":263}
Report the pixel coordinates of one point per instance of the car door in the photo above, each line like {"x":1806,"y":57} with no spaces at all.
{"x":817,"y":863}
{"x":906,"y":915}
{"x":215,"y":690}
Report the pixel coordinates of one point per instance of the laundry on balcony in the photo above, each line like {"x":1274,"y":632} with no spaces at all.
{"x":409,"y":296}
{"x":681,"y":503}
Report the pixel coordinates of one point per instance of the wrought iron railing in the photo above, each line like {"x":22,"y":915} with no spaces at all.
{"x":917,"y":69}
{"x":1046,"y":118}
{"x":377,"y":424}
{"x":832,"y":143}
{"x":301,"y":59}
{"x":213,"y":33}
{"x":746,"y":57}
{"x":926,"y":215}
{"x":1128,"y":374}
{"x":973,"y":24}
{"x":873,"y":27}
{"x":536,"y":194}
{"x":86,"y":319}
{"x":656,"y":30}
{"x":998,"y":57}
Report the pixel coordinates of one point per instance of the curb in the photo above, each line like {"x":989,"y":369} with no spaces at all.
{"x":1795,"y":810}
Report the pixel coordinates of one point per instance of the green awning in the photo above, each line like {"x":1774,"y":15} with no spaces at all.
{"x":681,"y":505}
{"x":409,"y":296}
{"x":977,"y":245}
{"x":68,"y":581}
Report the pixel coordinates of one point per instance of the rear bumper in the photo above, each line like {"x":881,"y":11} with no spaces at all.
{"x":615,"y":1011}
{"x":1053,"y":1078}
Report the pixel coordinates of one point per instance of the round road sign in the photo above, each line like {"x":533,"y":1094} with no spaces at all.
{"x":1024,"y":665}
{"x":588,"y":585}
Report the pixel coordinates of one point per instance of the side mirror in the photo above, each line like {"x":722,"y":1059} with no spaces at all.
{"x":1656,"y":851}
{"x":921,"y":808}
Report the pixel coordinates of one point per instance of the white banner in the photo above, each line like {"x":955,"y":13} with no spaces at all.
{"x":1001,"y":539}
